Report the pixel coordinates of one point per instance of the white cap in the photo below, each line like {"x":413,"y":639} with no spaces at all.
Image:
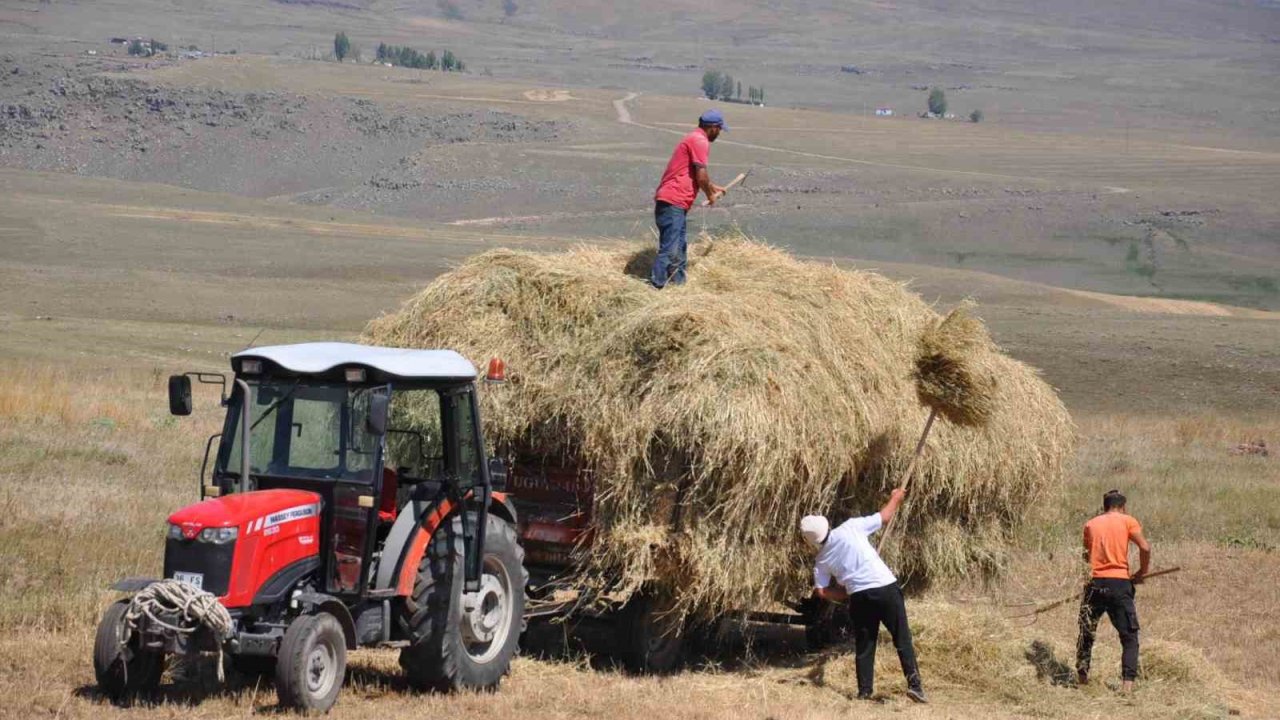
{"x":814,"y":528}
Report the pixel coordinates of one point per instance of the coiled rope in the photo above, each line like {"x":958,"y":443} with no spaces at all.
{"x":193,"y":607}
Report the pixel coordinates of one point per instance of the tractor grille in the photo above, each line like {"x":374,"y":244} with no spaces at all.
{"x":192,"y":556}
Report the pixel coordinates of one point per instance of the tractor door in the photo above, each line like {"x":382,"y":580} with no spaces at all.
{"x":354,"y":516}
{"x":468,"y":473}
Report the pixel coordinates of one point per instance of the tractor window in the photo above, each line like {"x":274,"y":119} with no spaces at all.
{"x":317,"y":423}
{"x":414,"y":439}
{"x":470,"y":453}
{"x":303,"y":430}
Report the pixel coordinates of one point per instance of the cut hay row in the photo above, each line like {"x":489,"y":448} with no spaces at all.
{"x":969,"y":649}
{"x":714,"y":415}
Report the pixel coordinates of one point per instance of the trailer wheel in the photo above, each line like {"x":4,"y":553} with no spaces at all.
{"x":464,"y":640}
{"x":651,"y":637}
{"x":124,"y":670}
{"x":312,"y":663}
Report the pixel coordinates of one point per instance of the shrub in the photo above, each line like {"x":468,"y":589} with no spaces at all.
{"x":710,"y":84}
{"x":937,"y":102}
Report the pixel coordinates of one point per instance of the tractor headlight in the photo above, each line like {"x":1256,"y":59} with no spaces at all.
{"x":219,"y":536}
{"x":175,"y":532}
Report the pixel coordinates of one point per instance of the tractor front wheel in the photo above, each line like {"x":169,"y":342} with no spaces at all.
{"x":312,"y":663}
{"x":124,"y":669}
{"x":464,"y":640}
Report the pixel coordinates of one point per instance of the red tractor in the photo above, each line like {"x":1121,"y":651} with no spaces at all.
{"x":350,"y":503}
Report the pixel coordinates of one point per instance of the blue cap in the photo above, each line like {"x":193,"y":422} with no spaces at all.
{"x":713,"y":117}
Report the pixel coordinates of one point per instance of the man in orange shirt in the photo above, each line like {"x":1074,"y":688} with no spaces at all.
{"x":1110,"y":591}
{"x":685,"y":175}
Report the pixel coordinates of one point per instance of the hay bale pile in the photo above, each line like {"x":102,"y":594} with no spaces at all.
{"x":716,"y":414}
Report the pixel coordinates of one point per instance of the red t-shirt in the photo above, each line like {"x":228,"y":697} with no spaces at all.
{"x":677,"y":186}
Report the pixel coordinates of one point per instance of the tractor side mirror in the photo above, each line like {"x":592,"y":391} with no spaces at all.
{"x":179,"y":395}
{"x":497,"y":474}
{"x":378,"y":411}
{"x":267,"y":395}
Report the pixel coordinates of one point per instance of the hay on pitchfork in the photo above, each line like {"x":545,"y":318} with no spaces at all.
{"x":712,"y":416}
{"x":949,"y":373}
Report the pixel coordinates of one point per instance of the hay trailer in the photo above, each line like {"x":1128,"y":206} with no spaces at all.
{"x":556,"y":502}
{"x":308,"y":541}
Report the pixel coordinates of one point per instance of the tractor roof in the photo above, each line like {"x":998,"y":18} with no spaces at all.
{"x":323,"y":357}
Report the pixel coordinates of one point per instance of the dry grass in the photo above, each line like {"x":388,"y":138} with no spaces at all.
{"x":715,"y":415}
{"x":84,"y":503}
{"x":90,"y":465}
{"x":971,"y":649}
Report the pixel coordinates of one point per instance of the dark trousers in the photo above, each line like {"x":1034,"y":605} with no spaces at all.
{"x":869,"y":609}
{"x":1115,"y":598}
{"x":669,"y":265}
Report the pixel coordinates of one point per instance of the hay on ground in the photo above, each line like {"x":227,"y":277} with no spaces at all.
{"x":970,"y":649}
{"x":714,"y":415}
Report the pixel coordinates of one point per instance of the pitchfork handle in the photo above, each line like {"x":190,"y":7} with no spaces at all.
{"x":911,"y":466}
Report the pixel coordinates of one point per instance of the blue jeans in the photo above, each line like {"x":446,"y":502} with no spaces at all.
{"x":669,"y":265}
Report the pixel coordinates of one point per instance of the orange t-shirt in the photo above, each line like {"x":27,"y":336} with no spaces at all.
{"x":1107,"y":539}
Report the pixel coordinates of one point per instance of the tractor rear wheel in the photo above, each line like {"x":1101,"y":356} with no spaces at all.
{"x":464,"y":640}
{"x":312,"y":663}
{"x":124,"y":670}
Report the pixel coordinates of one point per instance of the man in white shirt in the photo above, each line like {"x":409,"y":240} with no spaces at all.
{"x":846,"y":556}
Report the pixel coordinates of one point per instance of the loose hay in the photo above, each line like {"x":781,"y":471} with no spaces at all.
{"x":970,"y":649}
{"x":713,"y":416}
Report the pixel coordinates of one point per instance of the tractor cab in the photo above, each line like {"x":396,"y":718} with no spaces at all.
{"x":348,"y":501}
{"x":333,"y":431}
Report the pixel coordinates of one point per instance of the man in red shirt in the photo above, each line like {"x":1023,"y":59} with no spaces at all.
{"x":685,"y":175}
{"x":1110,"y":590}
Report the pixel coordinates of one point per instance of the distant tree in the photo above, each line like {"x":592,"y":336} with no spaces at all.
{"x":381,"y":53}
{"x":509,"y":7}
{"x":710,"y":84}
{"x":975,"y":116}
{"x":450,"y":9}
{"x":341,"y":46}
{"x":739,"y":93}
{"x":760,"y":94}
{"x":726,"y":86}
{"x":137,"y":48}
{"x":430,"y":60}
{"x":157,"y":46}
{"x":937,"y":102}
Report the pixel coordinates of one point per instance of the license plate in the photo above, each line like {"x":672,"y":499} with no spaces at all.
{"x":196,"y":579}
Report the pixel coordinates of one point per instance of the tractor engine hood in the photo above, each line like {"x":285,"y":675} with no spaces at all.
{"x":246,"y":511}
{"x":247,"y":548}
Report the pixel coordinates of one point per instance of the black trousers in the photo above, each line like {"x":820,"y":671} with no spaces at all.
{"x":869,"y":609}
{"x":1114,"y":597}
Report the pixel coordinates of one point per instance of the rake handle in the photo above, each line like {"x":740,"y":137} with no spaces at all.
{"x":732,"y":183}
{"x":911,"y":466}
{"x":1059,"y":603}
